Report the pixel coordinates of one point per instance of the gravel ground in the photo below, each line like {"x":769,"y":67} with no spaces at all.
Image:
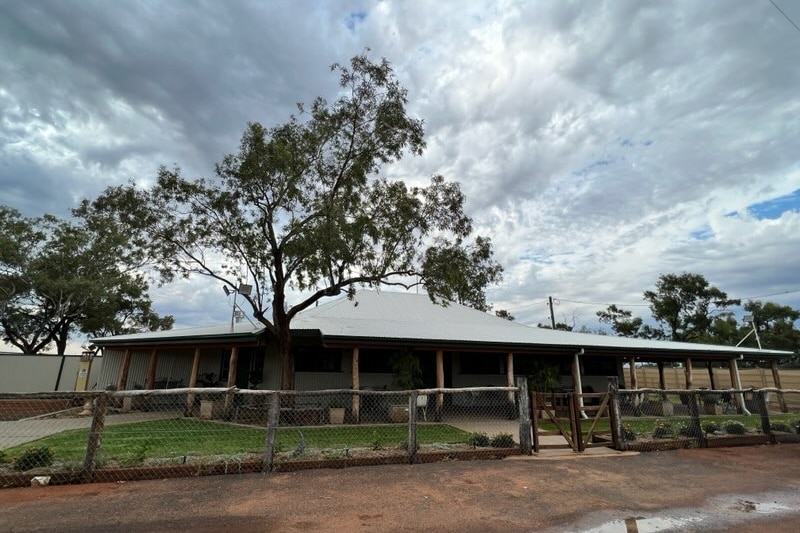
{"x":747,"y":489}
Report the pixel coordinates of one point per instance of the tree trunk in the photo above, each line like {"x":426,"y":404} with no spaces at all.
{"x":284,"y":339}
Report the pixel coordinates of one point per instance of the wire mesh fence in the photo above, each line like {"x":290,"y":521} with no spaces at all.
{"x":653,"y":419}
{"x":108,"y":436}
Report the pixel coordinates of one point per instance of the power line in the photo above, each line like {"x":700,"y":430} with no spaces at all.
{"x":606,"y":304}
{"x":785,"y":15}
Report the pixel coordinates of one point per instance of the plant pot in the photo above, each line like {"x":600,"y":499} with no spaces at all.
{"x":398,"y":413}
{"x":210,"y":409}
{"x":336,"y":415}
{"x":712,"y":409}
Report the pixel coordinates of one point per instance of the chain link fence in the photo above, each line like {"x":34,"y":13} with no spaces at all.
{"x":654,"y":419}
{"x":126,"y":435}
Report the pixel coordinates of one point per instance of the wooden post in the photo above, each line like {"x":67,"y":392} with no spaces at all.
{"x":694,"y":413}
{"x":615,"y":414}
{"x":356,"y":386}
{"x":711,"y":375}
{"x":95,"y":436}
{"x":412,"y":426}
{"x":231,"y":377}
{"x":766,"y":427}
{"x":439,"y":383}
{"x":122,"y":382}
{"x":776,"y":378}
{"x":577,"y":435}
{"x":525,"y":418}
{"x":273,"y":419}
{"x":151,"y":370}
{"x":632,"y":362}
{"x":193,"y":382}
{"x":662,"y":384}
{"x":736,"y":383}
{"x":510,"y":375}
{"x":576,"y":382}
{"x":687,"y":370}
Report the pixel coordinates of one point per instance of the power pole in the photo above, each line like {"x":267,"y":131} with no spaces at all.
{"x":552,"y":315}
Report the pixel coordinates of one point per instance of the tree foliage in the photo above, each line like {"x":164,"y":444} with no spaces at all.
{"x":58,"y":278}
{"x":683,"y":303}
{"x":623,"y":324}
{"x":297,"y":210}
{"x":694,"y":311}
{"x":775,"y":325}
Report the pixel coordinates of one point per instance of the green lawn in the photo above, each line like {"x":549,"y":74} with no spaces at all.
{"x":132,"y":443}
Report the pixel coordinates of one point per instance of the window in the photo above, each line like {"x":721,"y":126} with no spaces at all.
{"x":307,"y":359}
{"x":482,"y":363}
{"x":372,"y":361}
{"x":599,"y":366}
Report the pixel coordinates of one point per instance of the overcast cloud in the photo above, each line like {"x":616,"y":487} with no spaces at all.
{"x":600,"y":144}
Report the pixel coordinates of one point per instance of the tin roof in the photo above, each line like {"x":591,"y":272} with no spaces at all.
{"x":385,"y":317}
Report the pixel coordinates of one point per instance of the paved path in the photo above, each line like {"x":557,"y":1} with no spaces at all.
{"x":16,"y":432}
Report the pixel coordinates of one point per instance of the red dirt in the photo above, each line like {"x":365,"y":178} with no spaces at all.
{"x":515,"y":494}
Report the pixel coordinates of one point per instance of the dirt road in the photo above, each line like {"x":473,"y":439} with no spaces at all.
{"x":724,"y":485}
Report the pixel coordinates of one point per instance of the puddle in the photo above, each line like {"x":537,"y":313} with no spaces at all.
{"x":762,"y":508}
{"x":642,"y":525}
{"x":717,"y":514}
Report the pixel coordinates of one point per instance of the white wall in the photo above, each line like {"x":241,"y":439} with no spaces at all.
{"x":38,"y":373}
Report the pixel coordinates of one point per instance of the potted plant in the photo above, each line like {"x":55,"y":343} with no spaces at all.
{"x":336,"y":411}
{"x":407,"y":375}
{"x":711,"y":404}
{"x":542,"y":379}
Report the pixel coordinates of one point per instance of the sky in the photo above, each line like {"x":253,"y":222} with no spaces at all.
{"x":600,"y":144}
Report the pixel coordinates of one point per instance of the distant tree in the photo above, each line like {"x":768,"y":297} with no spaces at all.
{"x":683,"y":305}
{"x":296,"y":210}
{"x":776,"y":326}
{"x":58,"y":278}
{"x":502,"y":313}
{"x":623,"y":324}
{"x":724,"y":331}
{"x":560,"y":326}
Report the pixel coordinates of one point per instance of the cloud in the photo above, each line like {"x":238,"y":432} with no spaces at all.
{"x":600,"y":144}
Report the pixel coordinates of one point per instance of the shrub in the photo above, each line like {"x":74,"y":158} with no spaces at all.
{"x":710,"y":427}
{"x":686,"y":430}
{"x":3,"y":457}
{"x":781,"y":426}
{"x":478,"y":439}
{"x":628,"y":433}
{"x":34,"y":458}
{"x":502,"y":440}
{"x":732,"y":427}
{"x":662,"y":430}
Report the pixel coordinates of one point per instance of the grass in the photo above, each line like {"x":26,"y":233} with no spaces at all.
{"x":135,"y":442}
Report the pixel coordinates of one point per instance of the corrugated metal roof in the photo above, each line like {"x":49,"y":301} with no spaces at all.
{"x":413,"y":317}
{"x":397,"y":317}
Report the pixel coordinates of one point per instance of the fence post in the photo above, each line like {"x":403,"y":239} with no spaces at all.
{"x":615,"y":414}
{"x":761,"y":403}
{"x":273,"y":419}
{"x":695,"y":420}
{"x":95,"y":436}
{"x":524,"y":417}
{"x":412,"y":426}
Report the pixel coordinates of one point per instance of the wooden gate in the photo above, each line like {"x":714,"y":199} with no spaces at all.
{"x":563,"y":411}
